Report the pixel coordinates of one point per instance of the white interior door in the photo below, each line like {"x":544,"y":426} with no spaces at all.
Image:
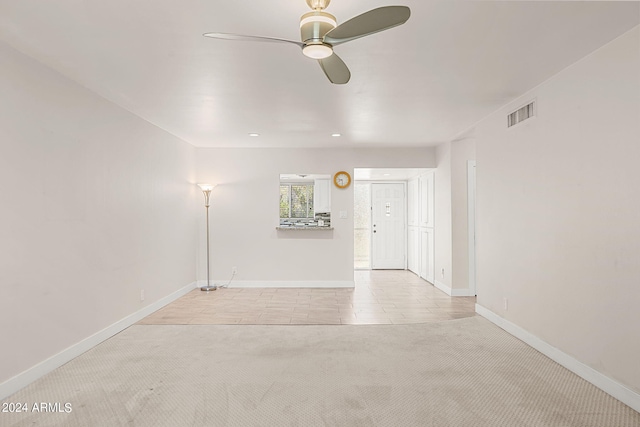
{"x":388,"y":231}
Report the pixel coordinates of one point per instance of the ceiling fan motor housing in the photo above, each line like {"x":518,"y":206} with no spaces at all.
{"x":314,"y":25}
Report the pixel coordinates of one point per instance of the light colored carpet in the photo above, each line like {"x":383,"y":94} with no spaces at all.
{"x":463,"y":372}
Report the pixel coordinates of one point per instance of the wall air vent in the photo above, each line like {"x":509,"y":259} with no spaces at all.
{"x":521,"y":114}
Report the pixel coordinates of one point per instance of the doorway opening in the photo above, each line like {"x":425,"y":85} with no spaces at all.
{"x":381,"y":205}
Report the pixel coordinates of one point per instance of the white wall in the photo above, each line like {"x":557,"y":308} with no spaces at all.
{"x":451,"y":216}
{"x":443,"y":244}
{"x":96,"y":204}
{"x":559,"y":209}
{"x":462,"y":151}
{"x":244,"y":213}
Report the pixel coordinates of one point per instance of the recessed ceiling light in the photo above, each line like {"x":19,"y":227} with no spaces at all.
{"x":254,"y":134}
{"x":335,"y":135}
{"x":387,"y":174}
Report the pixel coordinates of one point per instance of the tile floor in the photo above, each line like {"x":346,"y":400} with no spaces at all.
{"x":379,"y":297}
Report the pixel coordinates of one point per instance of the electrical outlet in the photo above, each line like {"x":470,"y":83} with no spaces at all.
{"x":442,"y":273}
{"x":234,"y":270}
{"x":506,"y":304}
{"x":141,"y":294}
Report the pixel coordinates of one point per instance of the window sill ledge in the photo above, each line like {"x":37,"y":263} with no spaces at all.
{"x":305,"y":228}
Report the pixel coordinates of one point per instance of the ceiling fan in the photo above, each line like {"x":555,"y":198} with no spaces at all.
{"x":320,"y":33}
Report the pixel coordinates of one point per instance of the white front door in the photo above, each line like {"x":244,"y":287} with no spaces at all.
{"x":388,"y":230}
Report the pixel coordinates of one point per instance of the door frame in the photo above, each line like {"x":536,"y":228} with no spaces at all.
{"x":471,"y":225}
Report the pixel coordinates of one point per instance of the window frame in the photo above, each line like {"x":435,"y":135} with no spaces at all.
{"x":310,"y":197}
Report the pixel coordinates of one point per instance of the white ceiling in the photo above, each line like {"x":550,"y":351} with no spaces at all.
{"x":419,"y":84}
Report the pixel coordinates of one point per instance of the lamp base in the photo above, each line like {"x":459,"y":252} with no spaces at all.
{"x":208,"y":288}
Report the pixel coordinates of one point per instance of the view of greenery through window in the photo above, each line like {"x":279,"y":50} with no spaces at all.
{"x":362,"y":225}
{"x":296,"y":201}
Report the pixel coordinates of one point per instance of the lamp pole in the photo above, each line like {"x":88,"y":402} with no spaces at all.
{"x":206,"y":190}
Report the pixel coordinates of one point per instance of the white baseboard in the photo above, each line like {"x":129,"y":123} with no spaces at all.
{"x":444,"y":288}
{"x":462,"y":293}
{"x":604,"y":383}
{"x":283,"y":283}
{"x":25,"y":378}
{"x":454,"y":292}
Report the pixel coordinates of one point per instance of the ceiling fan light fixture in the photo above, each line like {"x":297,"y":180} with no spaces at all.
{"x":317,"y":51}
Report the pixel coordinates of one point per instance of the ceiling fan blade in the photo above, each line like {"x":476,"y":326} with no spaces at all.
{"x":335,"y":69}
{"x":370,"y":22}
{"x":240,"y":37}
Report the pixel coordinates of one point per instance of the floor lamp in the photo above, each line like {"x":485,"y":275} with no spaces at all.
{"x":206,"y":190}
